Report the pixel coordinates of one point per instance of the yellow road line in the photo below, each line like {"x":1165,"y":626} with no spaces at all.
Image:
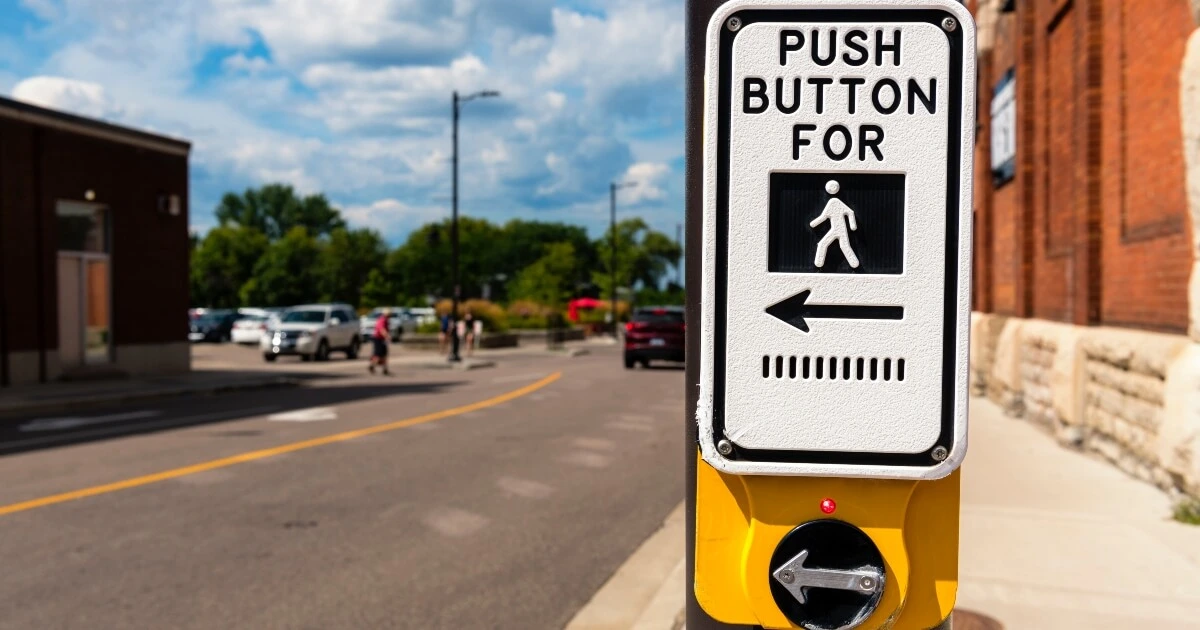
{"x":270,"y":452}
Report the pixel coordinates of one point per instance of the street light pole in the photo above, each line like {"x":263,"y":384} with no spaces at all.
{"x":457,"y":103}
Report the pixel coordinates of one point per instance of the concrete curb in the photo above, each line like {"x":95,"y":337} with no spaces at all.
{"x":647,"y":591}
{"x":102,"y":398}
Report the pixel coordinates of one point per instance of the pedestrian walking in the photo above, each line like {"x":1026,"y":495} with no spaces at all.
{"x":444,"y":334}
{"x":468,"y":327}
{"x":379,"y":339}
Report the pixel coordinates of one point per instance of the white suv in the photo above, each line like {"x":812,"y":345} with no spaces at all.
{"x":313,"y":331}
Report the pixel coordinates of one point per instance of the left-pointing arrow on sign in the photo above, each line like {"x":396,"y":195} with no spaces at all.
{"x":794,"y":311}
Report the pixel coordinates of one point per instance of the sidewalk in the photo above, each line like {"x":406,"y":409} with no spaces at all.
{"x":67,"y":396}
{"x":1051,"y":539}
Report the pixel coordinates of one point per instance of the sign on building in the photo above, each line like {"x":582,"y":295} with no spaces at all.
{"x":1004,"y":129}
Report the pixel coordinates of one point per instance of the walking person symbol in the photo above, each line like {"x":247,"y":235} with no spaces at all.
{"x":839,"y":215}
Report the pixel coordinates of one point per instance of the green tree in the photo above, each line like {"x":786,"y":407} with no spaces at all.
{"x":377,"y":291}
{"x":523,"y":242}
{"x":222,"y":262}
{"x":550,"y":280}
{"x":275,"y":209}
{"x":422,"y":265}
{"x":287,"y":273}
{"x":644,"y":256}
{"x":347,"y":258}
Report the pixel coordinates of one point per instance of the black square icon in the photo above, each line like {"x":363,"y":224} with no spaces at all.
{"x":836,"y":223}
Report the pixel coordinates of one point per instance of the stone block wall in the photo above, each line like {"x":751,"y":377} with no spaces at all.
{"x":1132,"y":397}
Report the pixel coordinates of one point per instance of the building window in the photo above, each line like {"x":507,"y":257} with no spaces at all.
{"x":82,"y":227}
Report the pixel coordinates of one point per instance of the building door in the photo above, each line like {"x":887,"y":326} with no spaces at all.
{"x":84,"y":276}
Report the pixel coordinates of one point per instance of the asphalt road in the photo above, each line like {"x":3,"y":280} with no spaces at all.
{"x":497,"y":498}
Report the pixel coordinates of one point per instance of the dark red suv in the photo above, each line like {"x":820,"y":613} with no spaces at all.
{"x":654,"y":334}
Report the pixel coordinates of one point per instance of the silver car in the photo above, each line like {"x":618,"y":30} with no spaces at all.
{"x":313,"y":332}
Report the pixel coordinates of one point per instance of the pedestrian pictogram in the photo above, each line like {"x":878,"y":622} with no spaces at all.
{"x":840,"y":217}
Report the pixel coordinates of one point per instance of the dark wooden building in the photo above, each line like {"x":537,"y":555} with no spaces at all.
{"x":93,"y":248}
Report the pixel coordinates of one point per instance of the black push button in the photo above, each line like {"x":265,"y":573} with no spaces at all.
{"x":827,"y":575}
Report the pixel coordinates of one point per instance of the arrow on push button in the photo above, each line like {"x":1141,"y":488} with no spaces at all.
{"x":795,"y":577}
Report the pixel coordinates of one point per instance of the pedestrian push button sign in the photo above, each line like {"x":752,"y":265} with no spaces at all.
{"x":837,"y":238}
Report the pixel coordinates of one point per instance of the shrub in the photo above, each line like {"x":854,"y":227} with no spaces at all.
{"x":527,"y":315}
{"x":598,"y":315}
{"x":1187,"y":511}
{"x":493,"y":316}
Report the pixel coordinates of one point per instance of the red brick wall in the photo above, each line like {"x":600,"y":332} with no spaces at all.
{"x":1146,"y":238}
{"x":998,"y":256}
{"x":1094,"y":228}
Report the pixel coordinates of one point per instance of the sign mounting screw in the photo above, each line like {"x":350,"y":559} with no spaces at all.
{"x":940,"y":453}
{"x":734,"y":23}
{"x":787,"y":577}
{"x":949,"y":24}
{"x":725,"y":447}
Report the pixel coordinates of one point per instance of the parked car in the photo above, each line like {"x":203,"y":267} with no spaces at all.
{"x":313,"y":331}
{"x":211,"y":325}
{"x":366,"y":323}
{"x":249,"y":329}
{"x":654,"y":334}
{"x":422,"y":315}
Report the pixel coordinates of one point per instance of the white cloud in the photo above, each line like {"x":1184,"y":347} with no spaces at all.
{"x":392,"y":217}
{"x":45,"y":9}
{"x":241,"y":63}
{"x":79,"y":97}
{"x":646,"y":177}
{"x":636,"y":44}
{"x":352,"y":97}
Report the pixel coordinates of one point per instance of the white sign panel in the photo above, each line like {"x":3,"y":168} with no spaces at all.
{"x":837,"y":225}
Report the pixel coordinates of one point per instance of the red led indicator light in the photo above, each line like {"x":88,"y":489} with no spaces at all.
{"x":828,"y":506}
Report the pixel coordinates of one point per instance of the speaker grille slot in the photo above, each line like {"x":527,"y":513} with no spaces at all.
{"x":818,"y":368}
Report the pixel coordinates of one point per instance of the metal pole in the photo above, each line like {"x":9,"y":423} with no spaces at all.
{"x":612,"y":193}
{"x":454,"y":237}
{"x":696,"y":16}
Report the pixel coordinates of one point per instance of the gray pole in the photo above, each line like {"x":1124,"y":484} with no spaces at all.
{"x":454,"y":237}
{"x":612,"y":195}
{"x":696,"y":16}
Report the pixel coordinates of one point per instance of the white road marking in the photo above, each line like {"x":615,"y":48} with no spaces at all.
{"x":163,"y":424}
{"x":70,"y":422}
{"x":595,"y":444}
{"x":313,"y":414}
{"x":586,"y":459}
{"x":454,"y":523}
{"x":524,"y":488}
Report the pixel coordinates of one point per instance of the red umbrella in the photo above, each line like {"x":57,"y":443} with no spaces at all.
{"x":586,"y":303}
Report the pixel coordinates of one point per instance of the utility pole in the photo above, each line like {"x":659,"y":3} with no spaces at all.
{"x":457,"y":103}
{"x":612,"y":197}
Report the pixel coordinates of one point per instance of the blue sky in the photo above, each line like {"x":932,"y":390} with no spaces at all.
{"x":352,"y":98}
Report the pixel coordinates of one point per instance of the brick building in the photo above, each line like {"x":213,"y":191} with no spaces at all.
{"x":1088,"y":144}
{"x":93,"y":248}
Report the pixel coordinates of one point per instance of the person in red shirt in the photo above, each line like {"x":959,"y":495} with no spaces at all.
{"x":379,"y":339}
